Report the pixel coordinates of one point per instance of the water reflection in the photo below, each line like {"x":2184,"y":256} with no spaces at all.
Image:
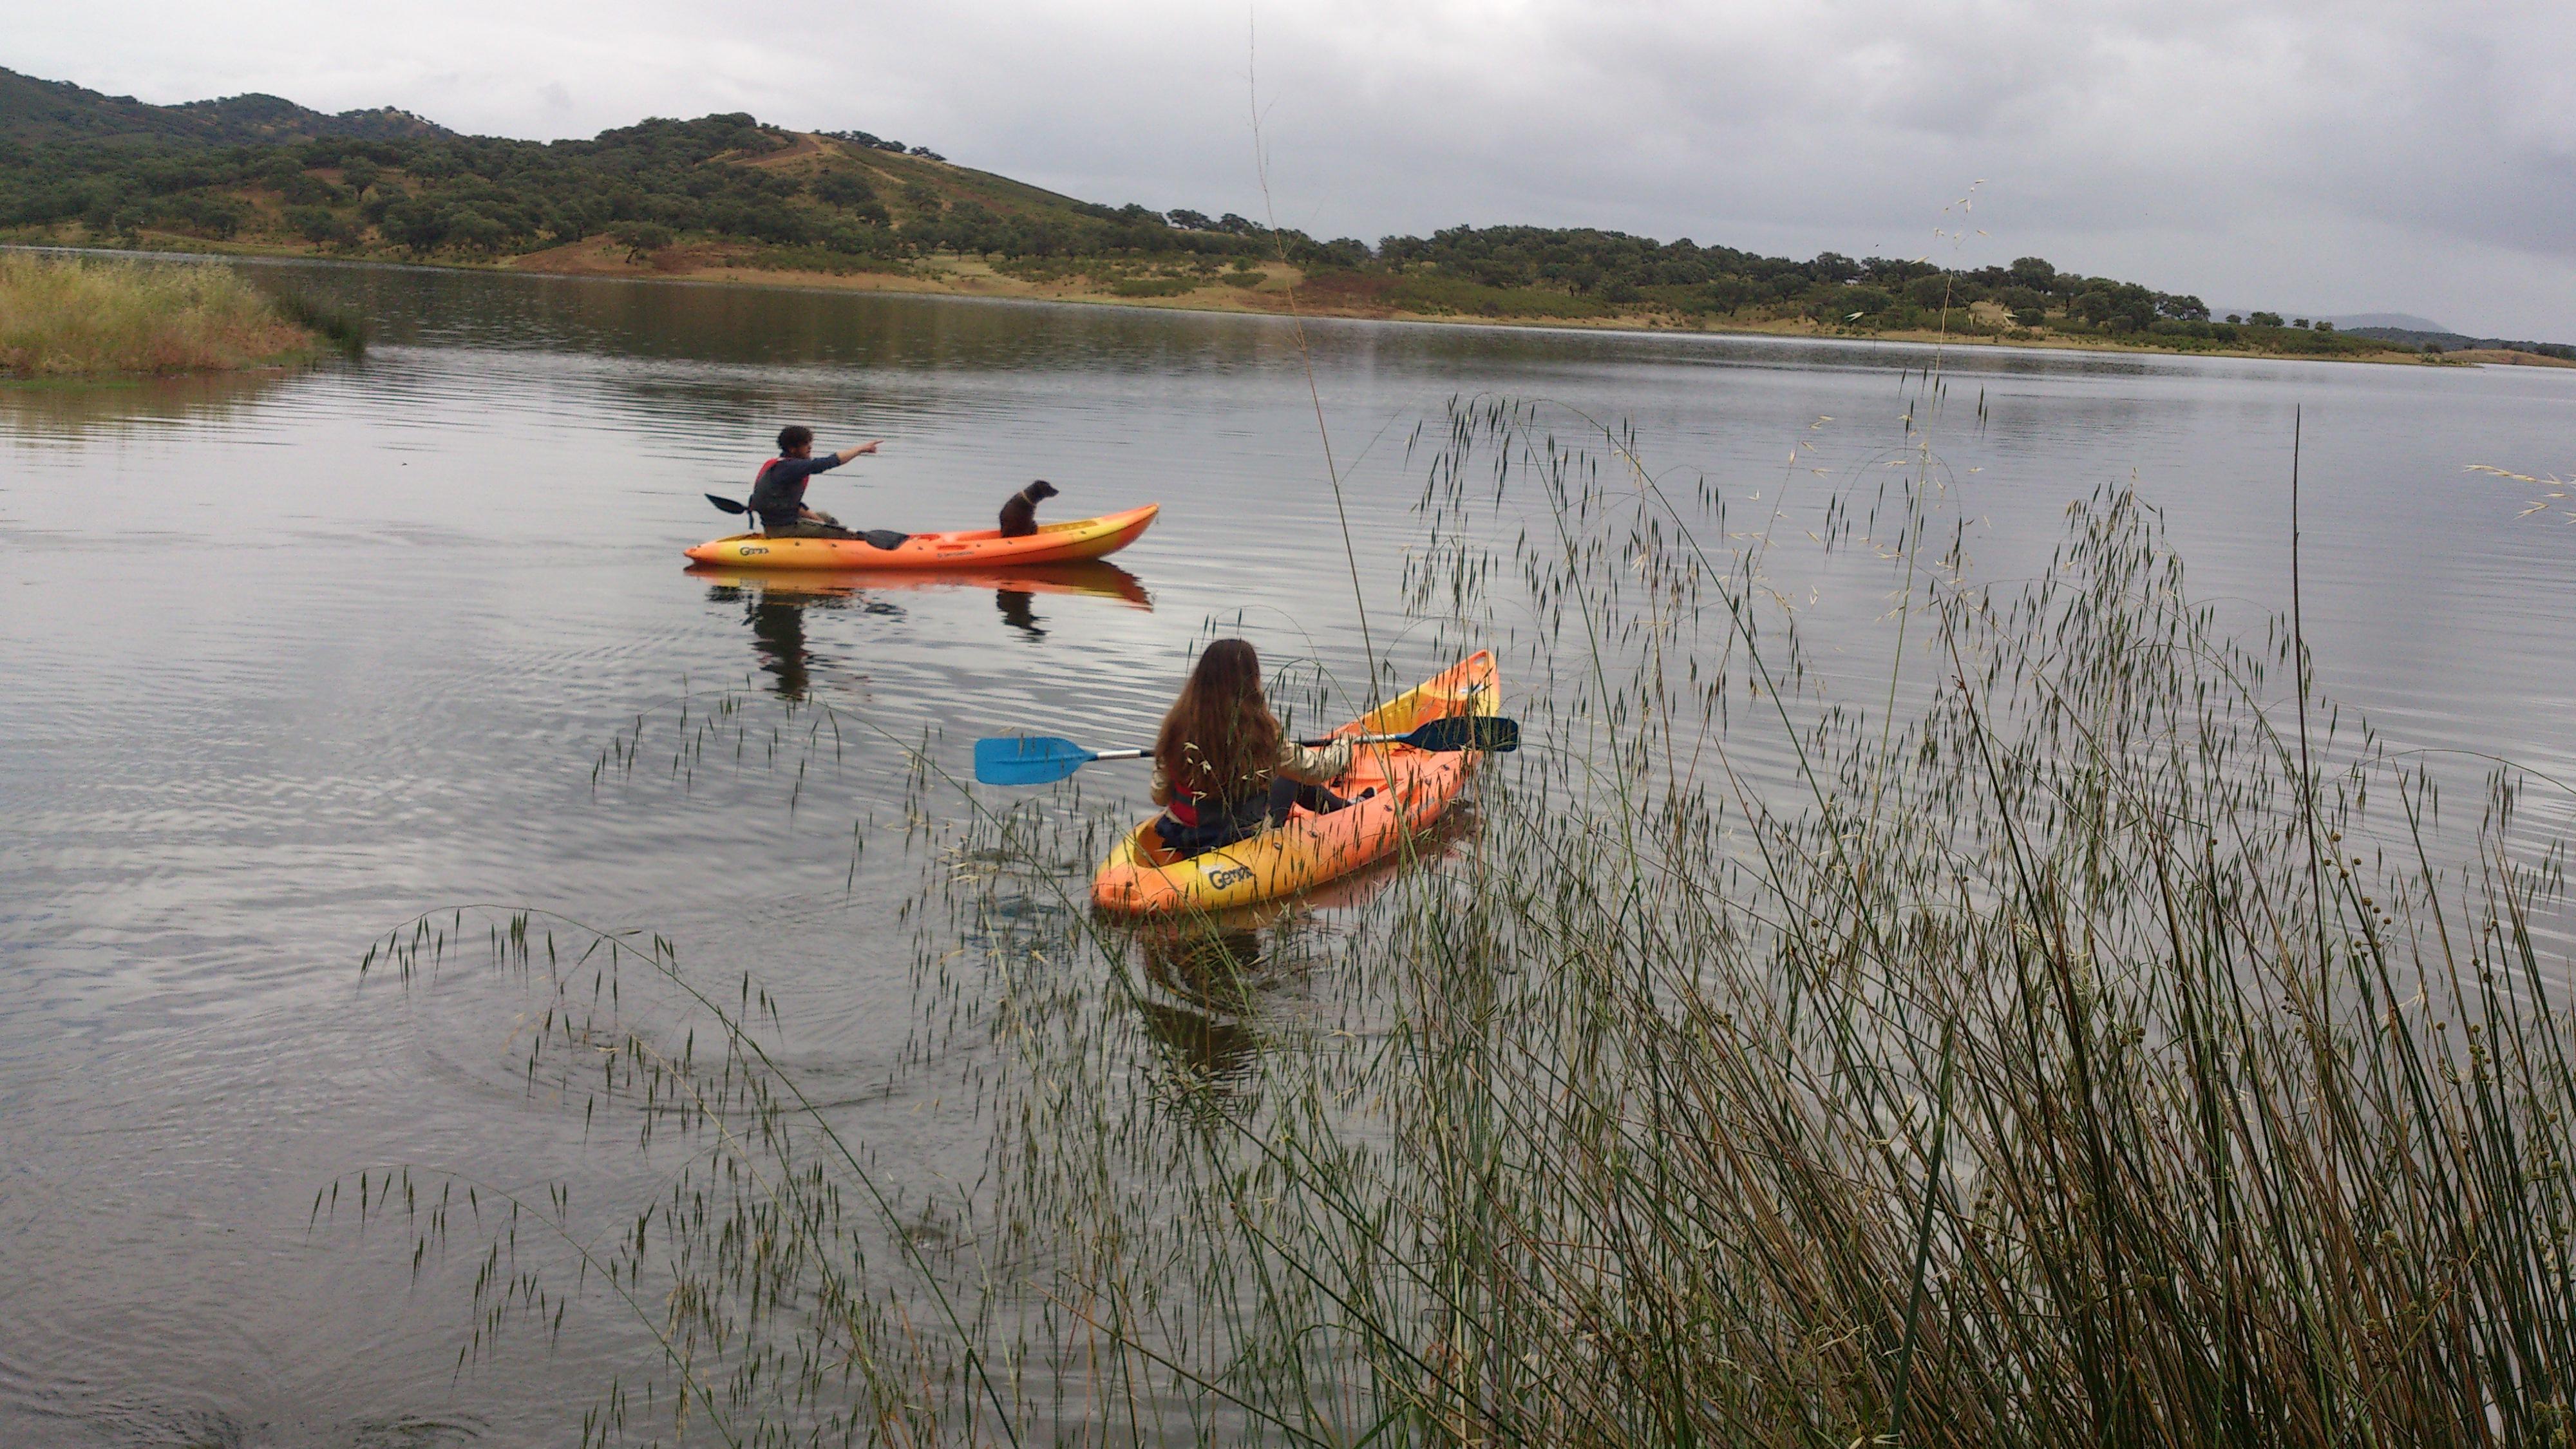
{"x":1205,"y":983}
{"x":1210,"y":980}
{"x":68,"y":411}
{"x":775,"y":608}
{"x":1097,"y":580}
{"x":778,"y":637}
{"x":1019,"y":610}
{"x":775,"y":600}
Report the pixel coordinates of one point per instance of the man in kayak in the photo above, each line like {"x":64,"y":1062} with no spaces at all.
{"x":778,"y":497}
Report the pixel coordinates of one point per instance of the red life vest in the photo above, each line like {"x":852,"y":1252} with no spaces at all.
{"x":756,"y":480}
{"x":1195,"y":813}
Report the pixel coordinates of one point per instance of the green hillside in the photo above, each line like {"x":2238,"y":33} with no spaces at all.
{"x":727,"y":191}
{"x":34,"y":112}
{"x":256,"y":170}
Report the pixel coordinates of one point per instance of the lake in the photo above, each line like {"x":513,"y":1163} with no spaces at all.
{"x":294,"y":660}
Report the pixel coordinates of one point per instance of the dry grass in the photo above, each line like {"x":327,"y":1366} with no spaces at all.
{"x":61,"y":317}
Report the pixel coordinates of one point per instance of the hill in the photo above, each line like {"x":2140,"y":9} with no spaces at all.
{"x":2445,"y":341}
{"x":34,"y":112}
{"x":2407,"y":321}
{"x":727,"y":195}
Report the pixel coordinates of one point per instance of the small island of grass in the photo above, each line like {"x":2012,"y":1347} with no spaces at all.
{"x":64,"y":318}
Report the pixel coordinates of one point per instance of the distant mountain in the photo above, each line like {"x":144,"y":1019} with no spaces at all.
{"x":2399,"y":321}
{"x":2442,"y":340}
{"x":2357,"y":321}
{"x":34,"y":111}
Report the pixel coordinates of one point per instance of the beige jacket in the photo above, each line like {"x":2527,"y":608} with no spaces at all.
{"x":1296,"y":761}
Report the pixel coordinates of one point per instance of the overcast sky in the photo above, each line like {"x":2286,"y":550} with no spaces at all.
{"x":2315,"y":157}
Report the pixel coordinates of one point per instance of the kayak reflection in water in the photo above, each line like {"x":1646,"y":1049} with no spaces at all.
{"x":1223,"y":769}
{"x":778,"y":494}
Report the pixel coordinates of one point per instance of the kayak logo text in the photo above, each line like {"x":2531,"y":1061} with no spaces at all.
{"x":1230,"y":876}
{"x":748,"y":550}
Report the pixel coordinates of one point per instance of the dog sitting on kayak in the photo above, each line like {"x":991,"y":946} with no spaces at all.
{"x":1020,"y":511}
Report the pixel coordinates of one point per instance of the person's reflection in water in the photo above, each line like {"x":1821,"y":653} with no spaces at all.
{"x":1017,"y":612}
{"x":777,"y":619}
{"x":778,"y":637}
{"x":1207,"y":984}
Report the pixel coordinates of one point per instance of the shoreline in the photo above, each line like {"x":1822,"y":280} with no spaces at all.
{"x":598,"y":259}
{"x":970,"y":278}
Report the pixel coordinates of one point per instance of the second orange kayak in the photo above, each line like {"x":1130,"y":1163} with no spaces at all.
{"x":1143,"y":877}
{"x":1086,"y":538}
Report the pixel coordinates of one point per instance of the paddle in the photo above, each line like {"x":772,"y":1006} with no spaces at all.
{"x":885,"y":538}
{"x":1042,"y":760}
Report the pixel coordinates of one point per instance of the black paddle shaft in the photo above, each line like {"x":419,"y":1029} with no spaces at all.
{"x":1455,"y":733}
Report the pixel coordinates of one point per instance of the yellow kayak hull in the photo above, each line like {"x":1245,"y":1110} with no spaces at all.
{"x":1414,"y":787}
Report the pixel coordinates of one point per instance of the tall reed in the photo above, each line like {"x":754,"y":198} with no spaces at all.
{"x":2045,"y":1043}
{"x":69,"y":317}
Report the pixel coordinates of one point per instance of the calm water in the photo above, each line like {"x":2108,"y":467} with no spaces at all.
{"x":290,"y":661}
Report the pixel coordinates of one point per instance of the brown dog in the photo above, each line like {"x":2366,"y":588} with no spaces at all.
{"x":1020,"y":511}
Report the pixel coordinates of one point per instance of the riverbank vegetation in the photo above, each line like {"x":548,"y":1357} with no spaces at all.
{"x":65,"y":317}
{"x":728,"y":195}
{"x":2072,"y":1031}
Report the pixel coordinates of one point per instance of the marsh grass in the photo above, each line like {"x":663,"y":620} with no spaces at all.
{"x":74,"y":317}
{"x":2052,"y":1041}
{"x":344,"y":330}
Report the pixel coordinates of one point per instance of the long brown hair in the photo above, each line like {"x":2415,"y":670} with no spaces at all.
{"x":1220,"y":740}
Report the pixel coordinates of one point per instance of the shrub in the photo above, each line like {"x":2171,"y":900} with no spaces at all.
{"x":641,"y":238}
{"x":70,"y":318}
{"x":319,"y":224}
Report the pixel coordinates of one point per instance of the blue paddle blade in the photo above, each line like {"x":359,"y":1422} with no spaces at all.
{"x":1027,"y":760}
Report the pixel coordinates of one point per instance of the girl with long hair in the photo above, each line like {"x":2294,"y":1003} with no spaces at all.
{"x":1222,"y":768}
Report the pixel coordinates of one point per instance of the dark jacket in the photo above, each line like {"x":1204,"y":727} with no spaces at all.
{"x":780,"y":490}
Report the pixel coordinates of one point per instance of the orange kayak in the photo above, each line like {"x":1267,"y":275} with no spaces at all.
{"x":982,"y":548}
{"x":1142,"y":877}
